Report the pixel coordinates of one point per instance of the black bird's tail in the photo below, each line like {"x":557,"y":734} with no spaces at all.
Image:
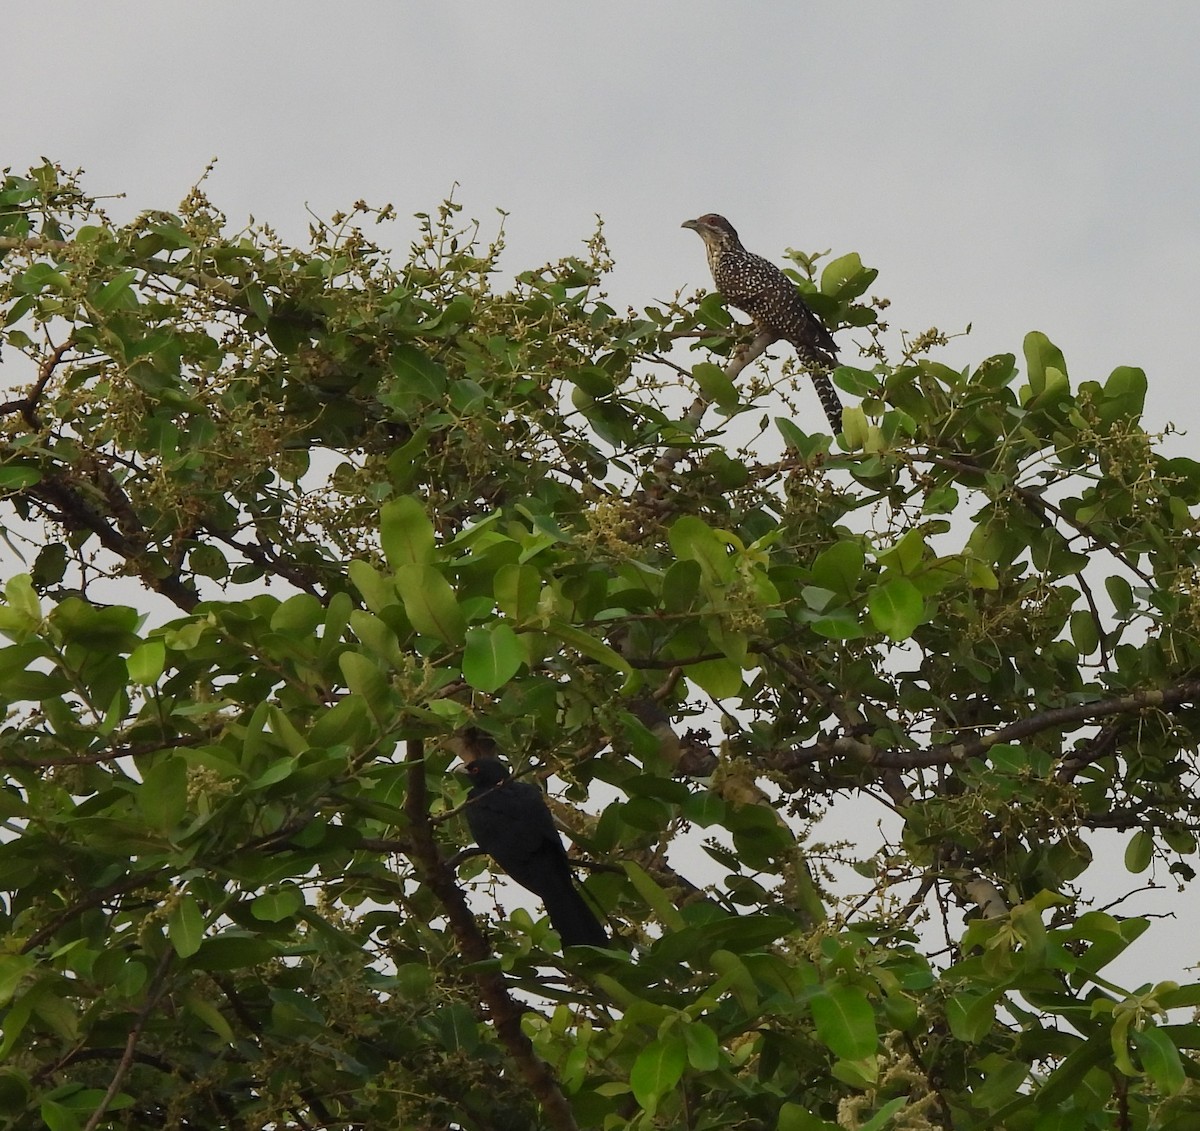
{"x":571,"y":917}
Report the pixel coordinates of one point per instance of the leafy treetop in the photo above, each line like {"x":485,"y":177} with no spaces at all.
{"x":379,"y":506}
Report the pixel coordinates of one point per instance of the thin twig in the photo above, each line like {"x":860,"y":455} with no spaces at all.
{"x":695,"y":414}
{"x":1042,"y":507}
{"x":27,"y":405}
{"x":153,"y":993}
{"x":1055,"y":718}
{"x":504,"y":1011}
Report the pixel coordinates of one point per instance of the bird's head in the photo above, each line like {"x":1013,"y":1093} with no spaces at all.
{"x":486,"y":771}
{"x":714,"y":230}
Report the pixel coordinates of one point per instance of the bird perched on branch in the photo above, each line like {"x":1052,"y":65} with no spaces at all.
{"x":511,"y":822}
{"x":758,"y":288}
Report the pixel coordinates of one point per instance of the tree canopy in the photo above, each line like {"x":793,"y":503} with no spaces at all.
{"x":292,"y":529}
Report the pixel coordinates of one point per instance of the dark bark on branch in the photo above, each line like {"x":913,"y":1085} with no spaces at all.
{"x":27,"y":405}
{"x":153,"y":993}
{"x":1052,"y":719}
{"x":302,"y":577}
{"x":68,"y":505}
{"x":1101,"y":746}
{"x":695,"y":414}
{"x":854,"y":748}
{"x":94,"y":898}
{"x":504,"y":1011}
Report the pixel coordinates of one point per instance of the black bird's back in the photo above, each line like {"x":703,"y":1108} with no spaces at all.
{"x":511,"y":822}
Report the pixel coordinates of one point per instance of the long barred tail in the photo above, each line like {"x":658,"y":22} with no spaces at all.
{"x":819,"y":363}
{"x":829,"y":399}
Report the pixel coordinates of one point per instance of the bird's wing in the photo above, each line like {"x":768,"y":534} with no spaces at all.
{"x":512,"y":823}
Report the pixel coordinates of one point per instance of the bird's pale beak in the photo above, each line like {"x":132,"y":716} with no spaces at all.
{"x":693,"y":224}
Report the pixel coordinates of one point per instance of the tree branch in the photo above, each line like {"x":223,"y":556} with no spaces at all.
{"x":153,"y":992}
{"x":1043,"y":508}
{"x":1052,"y":719}
{"x":695,"y":414}
{"x":68,"y":505}
{"x":27,"y":405}
{"x":503,"y":1009}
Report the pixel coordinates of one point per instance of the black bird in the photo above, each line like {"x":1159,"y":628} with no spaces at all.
{"x":511,"y":822}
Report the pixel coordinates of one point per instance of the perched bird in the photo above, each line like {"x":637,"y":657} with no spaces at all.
{"x":511,"y":822}
{"x":758,"y":288}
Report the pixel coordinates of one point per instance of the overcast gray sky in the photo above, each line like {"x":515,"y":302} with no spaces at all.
{"x":1017,"y":166}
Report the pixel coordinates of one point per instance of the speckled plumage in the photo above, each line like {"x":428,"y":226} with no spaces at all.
{"x":758,"y":288}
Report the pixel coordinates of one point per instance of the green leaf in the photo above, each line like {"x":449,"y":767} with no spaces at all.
{"x":430,"y":603}
{"x":146,"y":663}
{"x":839,"y":568}
{"x":845,"y":278}
{"x":703,"y":1051}
{"x":658,"y":900}
{"x":162,"y":798}
{"x":714,"y":385}
{"x":421,"y":378}
{"x":883,"y":1117}
{"x":20,"y":597}
{"x":457,"y":1028}
{"x":14,"y":1092}
{"x":1041,"y":356}
{"x":681,"y":586}
{"x":796,"y":440}
{"x":57,"y":1116}
{"x":857,"y":382}
{"x":692,"y":539}
{"x":493,"y":655}
{"x":517,"y":588}
{"x":199,"y":1007}
{"x":793,"y":1117}
{"x":116,"y":293}
{"x":907,"y":555}
{"x":345,"y":722}
{"x":856,"y":429}
{"x":1124,"y":393}
{"x":298,"y":616}
{"x":17,"y":476}
{"x":722,"y":679}
{"x":364,"y":678}
{"x":275,"y":906}
{"x":971,"y":1016}
{"x":995,"y":372}
{"x":208,"y":561}
{"x":896,"y":608}
{"x":13,"y":970}
{"x":845,"y":1021}
{"x":589,"y":646}
{"x":841,"y":624}
{"x":378,"y":592}
{"x":405,"y":532}
{"x":233,"y":950}
{"x":1160,"y":1058}
{"x":1084,"y":632}
{"x":1139,"y":851}
{"x":1120,"y":593}
{"x":185,"y":926}
{"x":658,"y":1069}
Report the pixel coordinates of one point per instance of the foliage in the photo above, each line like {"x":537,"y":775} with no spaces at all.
{"x":368,"y":504}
